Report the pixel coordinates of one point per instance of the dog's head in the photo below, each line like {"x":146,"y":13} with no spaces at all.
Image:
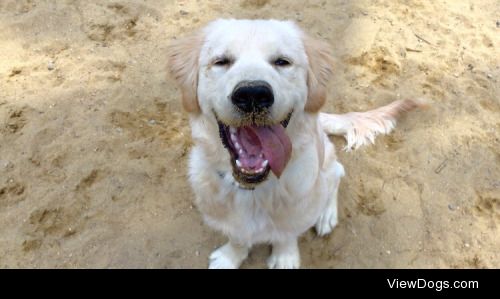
{"x":252,"y":76}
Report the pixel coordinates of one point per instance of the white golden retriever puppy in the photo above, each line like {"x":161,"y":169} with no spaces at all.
{"x":262,"y":167}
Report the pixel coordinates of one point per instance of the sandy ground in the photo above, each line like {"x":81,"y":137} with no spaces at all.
{"x":93,"y":139}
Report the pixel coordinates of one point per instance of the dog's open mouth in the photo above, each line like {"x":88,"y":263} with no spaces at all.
{"x":256,"y":150}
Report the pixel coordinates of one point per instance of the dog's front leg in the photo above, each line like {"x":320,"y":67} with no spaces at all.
{"x":285,"y":255}
{"x":228,"y":256}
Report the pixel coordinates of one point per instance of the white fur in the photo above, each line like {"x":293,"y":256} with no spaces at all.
{"x":360,"y":128}
{"x":329,"y":218}
{"x":277,"y":211}
{"x":285,"y":255}
{"x":229,"y":256}
{"x":254,"y":45}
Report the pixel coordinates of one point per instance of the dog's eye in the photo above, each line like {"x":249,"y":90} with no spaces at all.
{"x":282,"y":62}
{"x":223,"y":61}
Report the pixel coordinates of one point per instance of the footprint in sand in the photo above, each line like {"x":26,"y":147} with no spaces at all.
{"x":116,"y":21}
{"x":11,"y":193}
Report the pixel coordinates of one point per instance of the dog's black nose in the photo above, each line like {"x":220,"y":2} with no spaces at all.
{"x":251,"y":96}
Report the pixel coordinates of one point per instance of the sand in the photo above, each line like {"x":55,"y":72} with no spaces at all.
{"x":93,"y":139}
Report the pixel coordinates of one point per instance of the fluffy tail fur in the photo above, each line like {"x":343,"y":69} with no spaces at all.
{"x":360,"y":128}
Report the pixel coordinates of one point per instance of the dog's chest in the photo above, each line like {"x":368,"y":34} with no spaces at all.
{"x":269,"y":212}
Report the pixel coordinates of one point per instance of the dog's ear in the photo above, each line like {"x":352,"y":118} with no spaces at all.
{"x":319,"y":72}
{"x":183,"y":55}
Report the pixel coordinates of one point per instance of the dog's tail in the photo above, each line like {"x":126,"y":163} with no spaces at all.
{"x":360,"y":128}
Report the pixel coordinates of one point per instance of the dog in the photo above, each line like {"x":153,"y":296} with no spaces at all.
{"x":262,"y":167}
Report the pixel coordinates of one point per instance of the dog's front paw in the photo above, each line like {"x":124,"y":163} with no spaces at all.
{"x":228,"y":257}
{"x":284,"y":256}
{"x":284,"y":261}
{"x":326,"y":222}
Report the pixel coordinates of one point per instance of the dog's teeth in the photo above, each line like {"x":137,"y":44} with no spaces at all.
{"x":264,"y":164}
{"x":237,"y":145}
{"x":238,"y":163}
{"x":240,"y":151}
{"x":232,"y":130}
{"x":261,"y":156}
{"x":260,"y":170}
{"x":233,"y":138}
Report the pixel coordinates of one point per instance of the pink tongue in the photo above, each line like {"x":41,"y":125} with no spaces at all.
{"x":274,"y":142}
